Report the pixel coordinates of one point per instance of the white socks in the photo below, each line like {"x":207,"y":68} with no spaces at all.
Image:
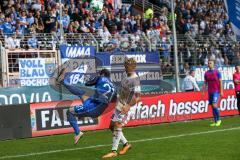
{"x":117,"y":137}
{"x":123,"y":139}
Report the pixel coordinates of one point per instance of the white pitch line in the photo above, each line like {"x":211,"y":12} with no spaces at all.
{"x":106,"y":145}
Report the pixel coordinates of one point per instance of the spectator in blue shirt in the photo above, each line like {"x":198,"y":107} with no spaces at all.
{"x":65,"y":20}
{"x":13,"y":20}
{"x":19,"y":28}
{"x":23,"y":20}
{"x":30,"y":19}
{"x":7,"y":27}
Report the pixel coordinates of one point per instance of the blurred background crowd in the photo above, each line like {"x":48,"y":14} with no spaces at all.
{"x":119,"y":26}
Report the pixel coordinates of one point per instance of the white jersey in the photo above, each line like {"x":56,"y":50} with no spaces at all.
{"x":189,"y":83}
{"x":129,"y":86}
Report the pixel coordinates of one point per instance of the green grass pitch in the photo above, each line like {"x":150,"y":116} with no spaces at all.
{"x":193,"y":140}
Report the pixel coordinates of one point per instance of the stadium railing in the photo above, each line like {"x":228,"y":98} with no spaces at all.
{"x":45,"y":41}
{"x":83,"y":39}
{"x":192,"y":50}
{"x":124,"y":42}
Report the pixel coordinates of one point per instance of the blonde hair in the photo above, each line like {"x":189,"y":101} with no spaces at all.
{"x":130,"y":62}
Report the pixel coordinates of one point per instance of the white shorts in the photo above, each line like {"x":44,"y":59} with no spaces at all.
{"x":120,"y":117}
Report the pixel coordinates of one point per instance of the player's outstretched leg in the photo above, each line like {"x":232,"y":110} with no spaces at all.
{"x":73,"y":122}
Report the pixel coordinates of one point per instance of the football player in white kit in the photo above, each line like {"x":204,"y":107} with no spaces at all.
{"x":128,"y":96}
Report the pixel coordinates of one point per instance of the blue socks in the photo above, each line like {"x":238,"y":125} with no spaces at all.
{"x":73,"y":122}
{"x":216,"y":114}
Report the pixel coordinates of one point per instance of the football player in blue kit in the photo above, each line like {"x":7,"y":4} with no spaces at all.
{"x":92,"y":106}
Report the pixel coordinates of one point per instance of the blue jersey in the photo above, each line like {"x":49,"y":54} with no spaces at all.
{"x":96,"y":104}
{"x":65,"y":20}
{"x":104,"y":88}
{"x":30,"y":20}
{"x":23,"y":19}
{"x":7,"y":28}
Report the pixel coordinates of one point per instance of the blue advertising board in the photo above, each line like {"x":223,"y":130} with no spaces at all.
{"x":148,"y":65}
{"x":72,"y":52}
{"x":35,"y":71}
{"x":79,"y":62}
{"x":142,"y":58}
{"x":233,"y":10}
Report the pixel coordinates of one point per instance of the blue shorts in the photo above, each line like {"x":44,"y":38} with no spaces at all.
{"x":213,"y":97}
{"x":90,"y":108}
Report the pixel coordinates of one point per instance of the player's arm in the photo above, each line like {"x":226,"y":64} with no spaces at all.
{"x":133,"y":99}
{"x":92,"y":82}
{"x":235,"y":80}
{"x":220,"y":81}
{"x":195,"y":85}
{"x":183,"y":85}
{"x":60,"y":77}
{"x":115,"y":91}
{"x":221,"y":87}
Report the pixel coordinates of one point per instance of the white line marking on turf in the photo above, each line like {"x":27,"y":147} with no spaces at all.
{"x":106,"y":145}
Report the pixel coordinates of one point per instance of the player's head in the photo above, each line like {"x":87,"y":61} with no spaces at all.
{"x":130,"y":64}
{"x":211,"y":64}
{"x":105,"y":72}
{"x":192,"y":72}
{"x":237,"y":67}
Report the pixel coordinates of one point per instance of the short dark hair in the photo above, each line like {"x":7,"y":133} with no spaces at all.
{"x":191,"y":71}
{"x":105,"y":72}
{"x":212,"y":60}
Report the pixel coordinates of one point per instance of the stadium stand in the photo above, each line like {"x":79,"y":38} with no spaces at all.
{"x":203,"y":28}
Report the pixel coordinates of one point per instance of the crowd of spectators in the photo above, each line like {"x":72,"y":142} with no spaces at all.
{"x":18,"y":17}
{"x":203,"y":17}
{"x":118,"y":27}
{"x":208,"y":20}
